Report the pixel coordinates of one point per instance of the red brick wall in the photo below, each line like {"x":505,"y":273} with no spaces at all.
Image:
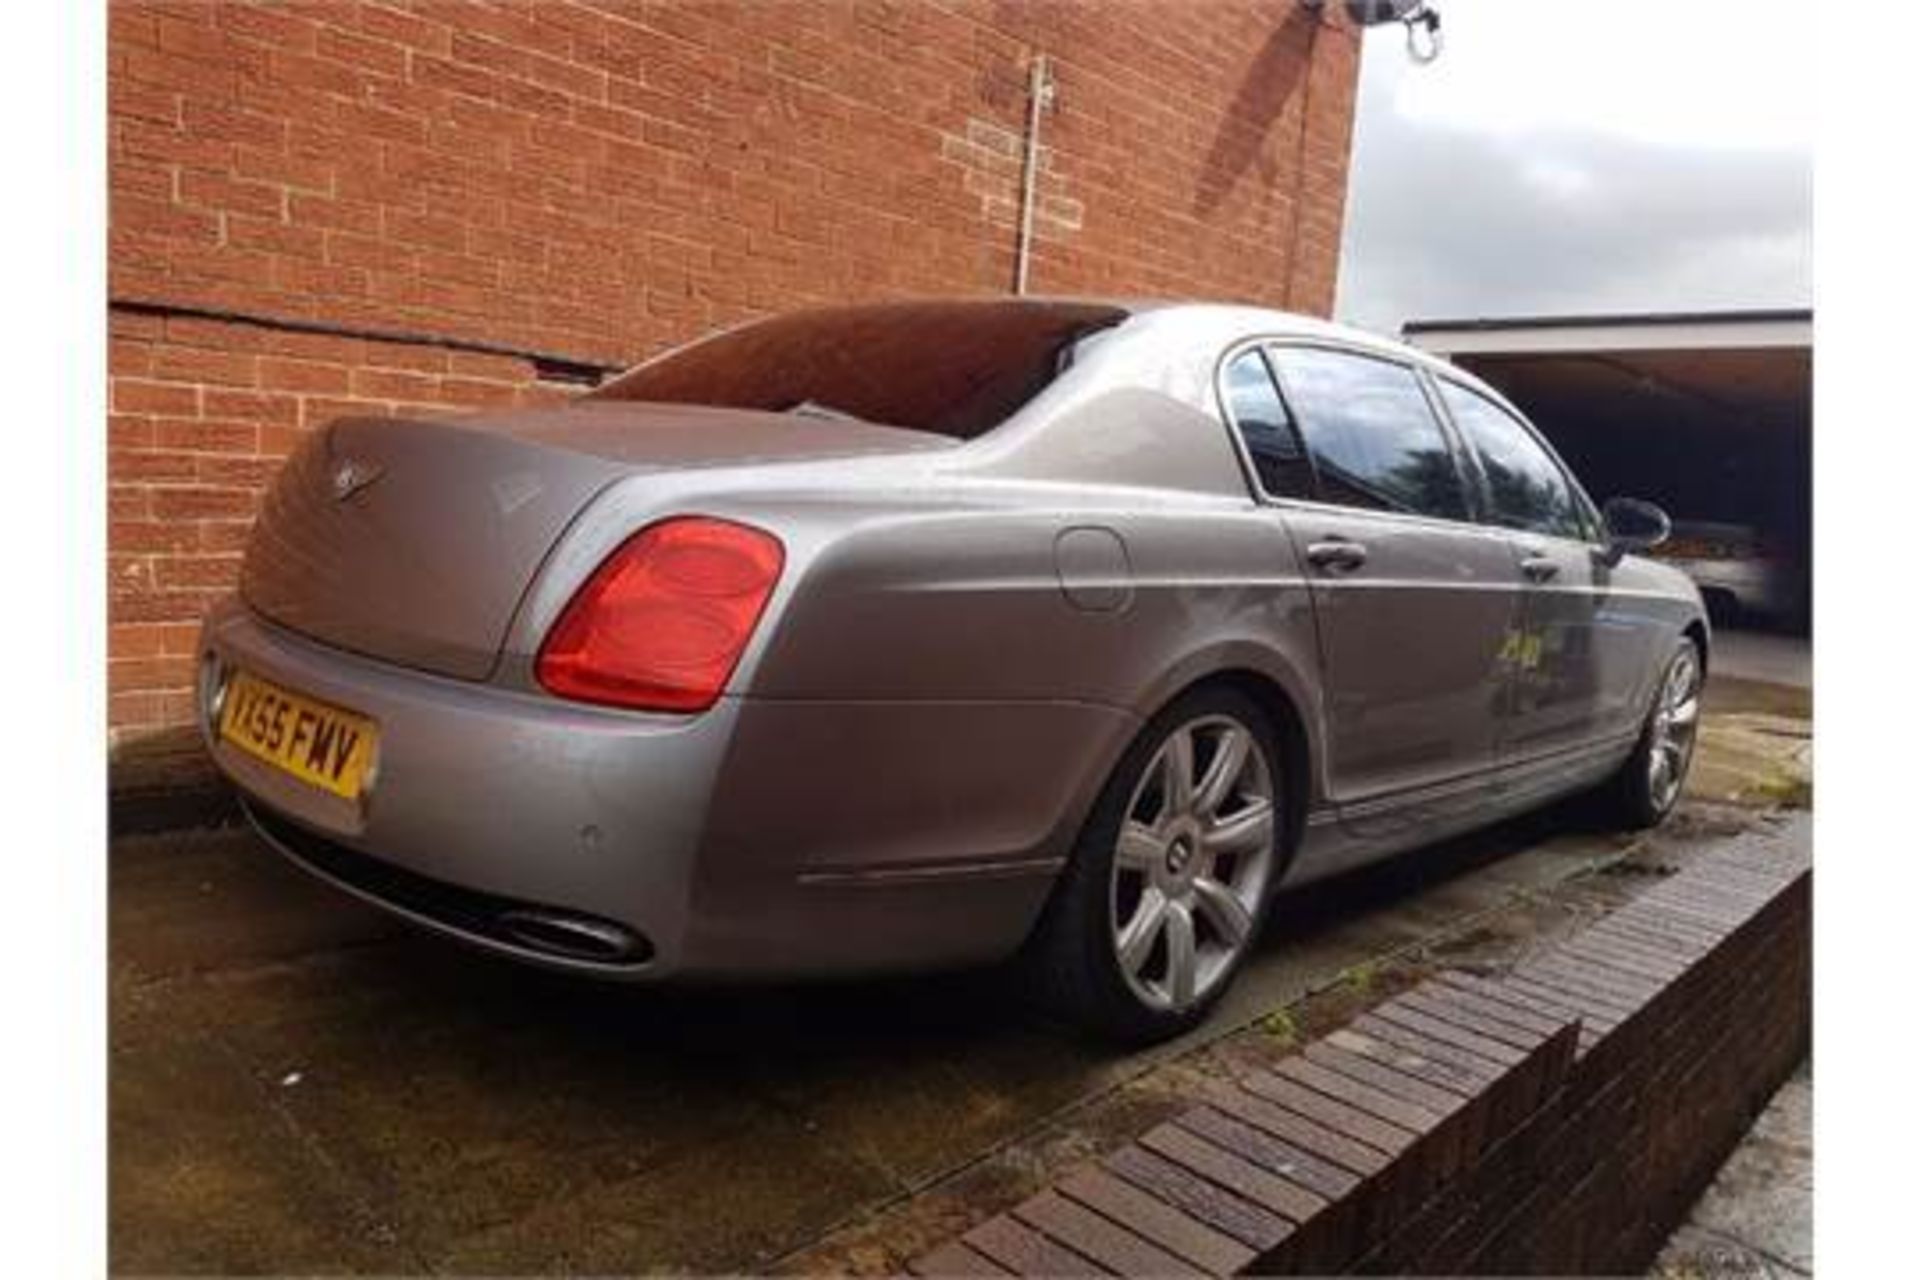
{"x":1559,"y":1118}
{"x":597,"y":180}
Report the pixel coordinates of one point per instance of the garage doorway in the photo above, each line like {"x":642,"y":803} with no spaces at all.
{"x":1708,"y":415}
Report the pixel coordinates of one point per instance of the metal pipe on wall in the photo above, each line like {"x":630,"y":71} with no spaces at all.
{"x":1039,"y":97}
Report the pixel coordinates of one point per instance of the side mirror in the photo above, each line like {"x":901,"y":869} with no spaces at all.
{"x":1633,"y":525}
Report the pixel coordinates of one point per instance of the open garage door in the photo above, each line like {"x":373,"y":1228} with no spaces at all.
{"x":1709,"y":415}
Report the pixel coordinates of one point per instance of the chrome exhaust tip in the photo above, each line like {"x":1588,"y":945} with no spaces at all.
{"x":572,"y":937}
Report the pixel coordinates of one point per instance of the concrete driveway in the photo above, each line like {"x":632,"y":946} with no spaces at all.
{"x":300,"y":1085}
{"x":1770,"y":657}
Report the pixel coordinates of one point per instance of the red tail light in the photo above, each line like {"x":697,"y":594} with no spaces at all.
{"x":661,"y":623}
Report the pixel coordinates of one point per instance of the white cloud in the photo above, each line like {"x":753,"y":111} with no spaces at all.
{"x":1637,"y":154}
{"x":1673,"y":72}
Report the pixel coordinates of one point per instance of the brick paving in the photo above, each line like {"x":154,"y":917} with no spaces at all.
{"x":1555,"y":1118}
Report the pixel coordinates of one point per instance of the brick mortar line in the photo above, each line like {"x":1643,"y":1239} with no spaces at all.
{"x":568,"y":368}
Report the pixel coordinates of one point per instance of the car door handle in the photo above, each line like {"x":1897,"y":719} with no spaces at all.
{"x":1336,"y":555}
{"x":1539,"y":567}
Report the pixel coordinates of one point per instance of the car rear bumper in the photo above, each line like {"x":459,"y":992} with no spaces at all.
{"x":484,"y":799}
{"x":761,"y":838}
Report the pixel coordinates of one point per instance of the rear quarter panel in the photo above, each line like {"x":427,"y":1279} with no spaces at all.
{"x":970,"y":604}
{"x":932,"y":714}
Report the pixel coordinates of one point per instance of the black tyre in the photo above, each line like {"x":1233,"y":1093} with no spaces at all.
{"x":1169,"y":882}
{"x":1648,"y":785}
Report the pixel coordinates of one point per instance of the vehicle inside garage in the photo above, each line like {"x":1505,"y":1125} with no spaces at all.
{"x":1708,"y":415}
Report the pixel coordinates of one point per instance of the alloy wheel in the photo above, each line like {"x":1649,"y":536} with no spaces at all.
{"x":1191,"y":862}
{"x":1676,"y":723}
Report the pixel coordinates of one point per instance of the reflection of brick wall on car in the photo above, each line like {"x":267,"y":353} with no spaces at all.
{"x":597,"y":182}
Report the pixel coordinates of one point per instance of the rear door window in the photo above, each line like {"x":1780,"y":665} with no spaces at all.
{"x":1372,"y":434}
{"x":1279,"y":461}
{"x":1526,"y":489}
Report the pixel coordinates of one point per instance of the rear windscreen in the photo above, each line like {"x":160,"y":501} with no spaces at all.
{"x":953,"y":368}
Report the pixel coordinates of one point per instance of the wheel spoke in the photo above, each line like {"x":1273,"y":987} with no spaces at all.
{"x":1683,"y":715}
{"x":1195,"y":845}
{"x":1176,"y":776}
{"x":1138,"y":849}
{"x":1222,"y":910}
{"x":1659,"y":768}
{"x":1137,"y":938}
{"x":1183,"y":962}
{"x":1680,"y":684}
{"x":1229,"y":759}
{"x":1247,"y":830}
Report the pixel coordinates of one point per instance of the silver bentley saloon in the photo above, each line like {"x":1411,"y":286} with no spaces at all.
{"x":923,"y":634}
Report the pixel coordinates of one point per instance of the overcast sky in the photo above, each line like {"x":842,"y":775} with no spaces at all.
{"x":1578,"y":156}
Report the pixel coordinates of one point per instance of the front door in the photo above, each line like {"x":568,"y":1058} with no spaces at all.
{"x":1581,"y":641}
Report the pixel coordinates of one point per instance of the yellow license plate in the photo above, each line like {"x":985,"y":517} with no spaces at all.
{"x":315,"y":742}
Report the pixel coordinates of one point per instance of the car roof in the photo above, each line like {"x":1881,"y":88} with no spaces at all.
{"x":1277,"y":323}
{"x":1227,"y":322}
{"x":1221,"y":324}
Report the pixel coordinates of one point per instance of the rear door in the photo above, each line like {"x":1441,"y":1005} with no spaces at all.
{"x":1413,"y":599}
{"x":1583,"y":644}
